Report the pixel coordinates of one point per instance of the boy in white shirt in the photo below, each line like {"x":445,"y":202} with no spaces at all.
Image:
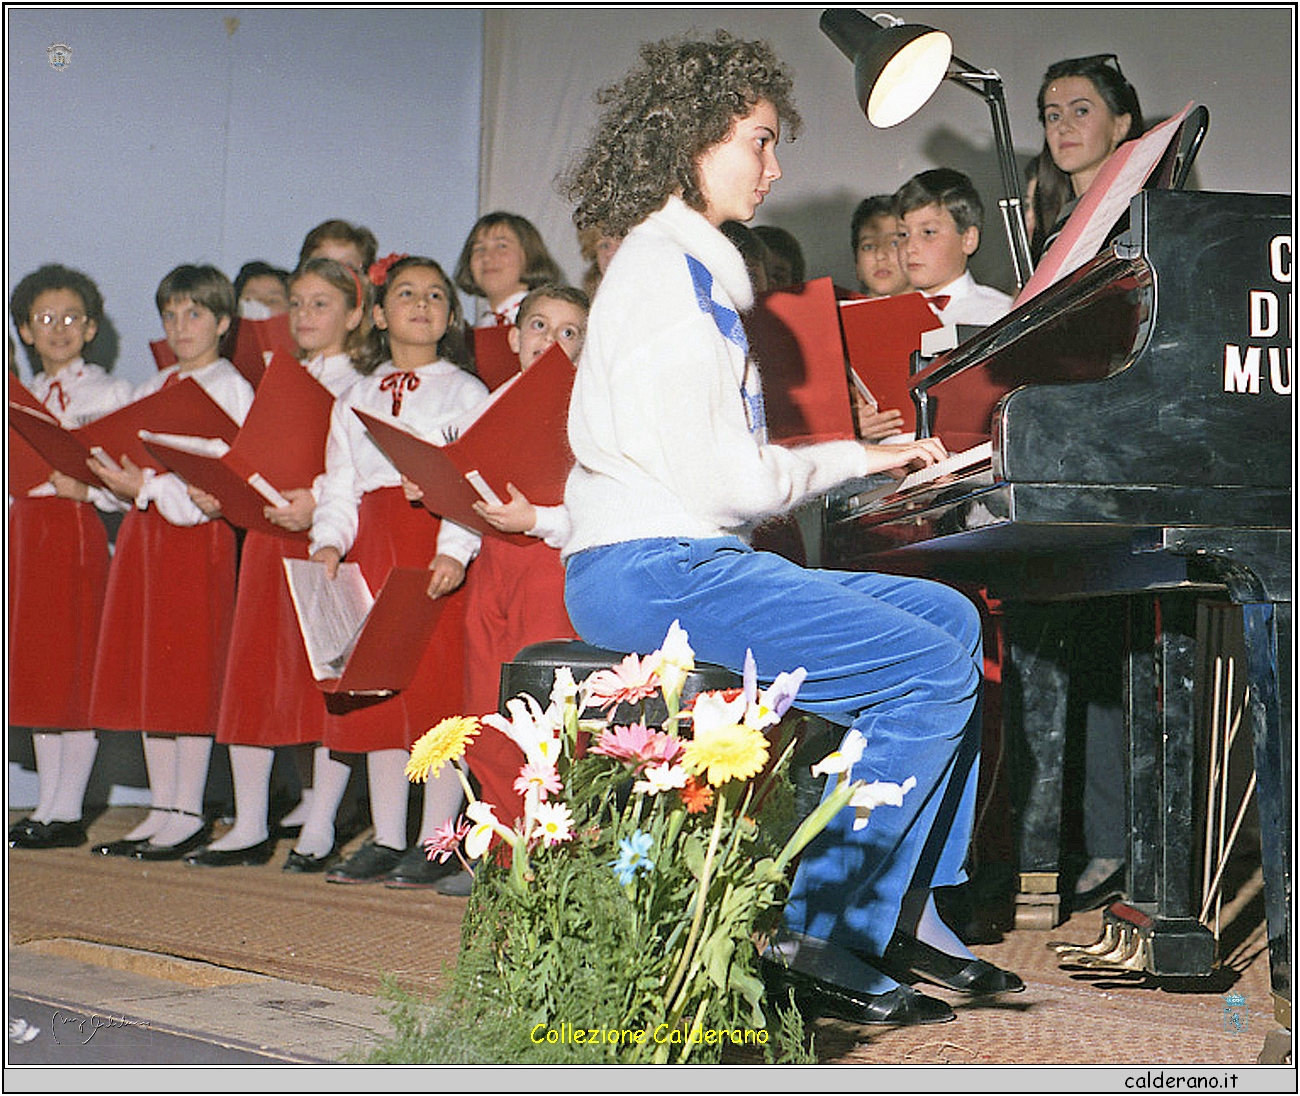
{"x":939,"y":214}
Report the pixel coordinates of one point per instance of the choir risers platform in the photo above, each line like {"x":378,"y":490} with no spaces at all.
{"x":1139,"y":416}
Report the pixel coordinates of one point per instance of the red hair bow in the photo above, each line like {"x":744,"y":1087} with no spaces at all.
{"x":378,"y":272}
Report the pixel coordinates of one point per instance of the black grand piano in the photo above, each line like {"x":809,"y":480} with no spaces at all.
{"x":1136,"y":424}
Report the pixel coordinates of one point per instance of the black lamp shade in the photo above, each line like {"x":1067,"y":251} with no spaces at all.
{"x":895,"y":69}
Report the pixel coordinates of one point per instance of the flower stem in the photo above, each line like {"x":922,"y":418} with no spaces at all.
{"x":689,"y":947}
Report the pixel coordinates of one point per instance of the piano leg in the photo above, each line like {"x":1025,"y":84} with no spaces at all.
{"x":1035,"y":686}
{"x":1268,"y":653}
{"x":1161,"y":921}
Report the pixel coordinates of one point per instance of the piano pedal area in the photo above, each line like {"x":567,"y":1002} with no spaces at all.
{"x":1131,"y":940}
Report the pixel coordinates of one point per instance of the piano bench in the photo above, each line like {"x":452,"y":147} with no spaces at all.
{"x":532,"y":671}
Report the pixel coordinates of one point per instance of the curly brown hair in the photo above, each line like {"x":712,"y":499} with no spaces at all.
{"x":682,"y":98}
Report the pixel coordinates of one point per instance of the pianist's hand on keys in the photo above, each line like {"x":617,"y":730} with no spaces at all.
{"x":903,"y":457}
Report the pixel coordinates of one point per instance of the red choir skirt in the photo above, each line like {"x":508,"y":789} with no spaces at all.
{"x":391,"y":532}
{"x":269,"y":697}
{"x":166,"y":629}
{"x":516,"y":598}
{"x":58,"y":568}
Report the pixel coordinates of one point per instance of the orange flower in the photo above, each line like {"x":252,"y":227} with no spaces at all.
{"x":697,"y":796}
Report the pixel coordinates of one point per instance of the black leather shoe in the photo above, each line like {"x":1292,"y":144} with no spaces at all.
{"x":24,"y":827}
{"x":196,"y":840}
{"x":301,"y":862}
{"x":814,"y":997}
{"x":1095,"y":897}
{"x":415,"y":871}
{"x":248,"y":856}
{"x":120,"y":848}
{"x":368,"y":864}
{"x":909,"y":960}
{"x":49,"y":835}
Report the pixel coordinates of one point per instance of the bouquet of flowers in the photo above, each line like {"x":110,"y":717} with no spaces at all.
{"x":621,"y":914}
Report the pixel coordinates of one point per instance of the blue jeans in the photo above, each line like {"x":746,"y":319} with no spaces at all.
{"x":898,"y":658}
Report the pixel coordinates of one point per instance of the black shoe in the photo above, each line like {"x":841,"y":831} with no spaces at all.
{"x":1095,"y":897}
{"x":49,"y":835}
{"x":121,"y":848}
{"x":415,"y":871}
{"x":815,"y":997}
{"x":24,"y":827}
{"x":456,"y":886}
{"x":367,"y":865}
{"x":908,"y":959}
{"x":196,"y":840}
{"x":248,"y":856}
{"x":301,"y":862}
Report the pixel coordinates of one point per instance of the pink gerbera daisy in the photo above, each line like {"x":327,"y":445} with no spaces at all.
{"x":630,"y":681}
{"x":638,"y":746}
{"x":446,"y":839}
{"x":538,"y":779}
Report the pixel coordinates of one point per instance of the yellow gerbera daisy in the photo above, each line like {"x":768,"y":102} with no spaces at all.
{"x":438,"y":745}
{"x":731,"y":751}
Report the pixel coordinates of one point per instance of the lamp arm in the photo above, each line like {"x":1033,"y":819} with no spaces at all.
{"x":988,"y":86}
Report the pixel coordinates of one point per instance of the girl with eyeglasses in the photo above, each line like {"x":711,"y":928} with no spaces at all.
{"x":58,"y":559}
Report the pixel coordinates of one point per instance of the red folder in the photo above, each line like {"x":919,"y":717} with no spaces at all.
{"x":881,"y":334}
{"x":282,"y":439}
{"x":795,"y":335}
{"x":182,"y":408}
{"x":27,"y":468}
{"x":163,"y":354}
{"x":393,"y":641}
{"x":494,"y":361}
{"x":255,"y":343}
{"x":521,"y":437}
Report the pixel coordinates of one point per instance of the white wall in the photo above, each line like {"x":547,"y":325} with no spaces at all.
{"x":170,"y":139}
{"x":1236,"y":60}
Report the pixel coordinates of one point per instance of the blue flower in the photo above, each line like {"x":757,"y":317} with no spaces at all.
{"x":632,"y":857}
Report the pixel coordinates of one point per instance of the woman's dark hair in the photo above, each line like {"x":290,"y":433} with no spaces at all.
{"x":539,"y":267}
{"x":451,"y":347}
{"x":680,"y":99}
{"x":1053,"y":189}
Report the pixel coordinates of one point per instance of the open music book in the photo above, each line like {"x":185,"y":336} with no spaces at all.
{"x":519,"y":436}
{"x":182,"y":408}
{"x":280,"y":446}
{"x":954,"y":463}
{"x":359,"y":643}
{"x":880,"y":334}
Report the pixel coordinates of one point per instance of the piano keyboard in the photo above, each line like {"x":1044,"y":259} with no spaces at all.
{"x":953,"y":463}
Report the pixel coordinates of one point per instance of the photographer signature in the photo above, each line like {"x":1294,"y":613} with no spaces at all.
{"x":86,"y":1027}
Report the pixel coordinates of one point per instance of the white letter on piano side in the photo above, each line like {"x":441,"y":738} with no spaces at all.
{"x":1279,"y":258}
{"x":1239,"y":375}
{"x":1281,"y":385}
{"x":1263,"y":314}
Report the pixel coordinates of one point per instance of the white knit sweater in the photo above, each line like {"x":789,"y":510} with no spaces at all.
{"x":658,"y":421}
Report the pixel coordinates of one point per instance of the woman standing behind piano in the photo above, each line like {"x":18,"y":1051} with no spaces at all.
{"x":1088,"y":109}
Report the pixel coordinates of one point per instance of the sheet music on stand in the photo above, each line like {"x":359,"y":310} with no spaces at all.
{"x":1119,"y":179}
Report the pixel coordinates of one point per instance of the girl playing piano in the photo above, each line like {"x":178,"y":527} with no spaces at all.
{"x":673,"y":469}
